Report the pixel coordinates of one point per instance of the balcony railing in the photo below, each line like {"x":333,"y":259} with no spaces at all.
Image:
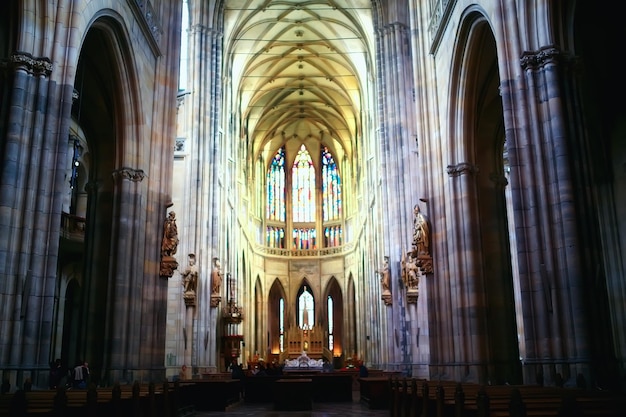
{"x":333,"y":251}
{"x":72,"y":227}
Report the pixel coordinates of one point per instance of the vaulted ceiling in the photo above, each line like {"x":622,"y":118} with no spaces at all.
{"x":301,"y":69}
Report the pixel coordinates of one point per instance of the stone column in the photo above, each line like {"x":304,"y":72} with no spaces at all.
{"x":30,"y":201}
{"x":397,"y":134}
{"x":204,"y":204}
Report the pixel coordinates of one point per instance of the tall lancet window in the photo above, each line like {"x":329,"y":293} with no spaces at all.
{"x":331,"y":187}
{"x":331,"y":197}
{"x":306,"y":309}
{"x":281,"y":324}
{"x":275,"y":210}
{"x":303,"y":187}
{"x":303,"y":200}
{"x":304,"y":208}
{"x":331,"y":339}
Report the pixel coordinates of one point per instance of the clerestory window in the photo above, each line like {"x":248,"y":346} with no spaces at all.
{"x":303,"y":203}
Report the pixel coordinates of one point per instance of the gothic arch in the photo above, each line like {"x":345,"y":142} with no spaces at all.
{"x":480,"y":250}
{"x":258,"y":315}
{"x":107,"y":112}
{"x":317,"y":308}
{"x":274,"y":331}
{"x":350,"y":340}
{"x":333,"y":290}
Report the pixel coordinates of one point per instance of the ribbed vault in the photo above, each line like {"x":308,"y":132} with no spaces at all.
{"x":299,"y":69}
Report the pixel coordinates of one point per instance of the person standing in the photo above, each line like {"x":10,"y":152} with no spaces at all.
{"x":80,"y":375}
{"x":55,"y":374}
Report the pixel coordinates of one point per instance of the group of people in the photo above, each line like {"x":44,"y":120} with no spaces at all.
{"x":76,"y":377}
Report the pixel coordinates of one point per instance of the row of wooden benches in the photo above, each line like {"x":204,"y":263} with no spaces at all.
{"x":417,"y":397}
{"x":148,"y":400}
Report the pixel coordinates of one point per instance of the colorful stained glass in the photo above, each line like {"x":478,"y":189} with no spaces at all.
{"x":276,"y":188}
{"x":331,"y":187}
{"x":303,"y":187}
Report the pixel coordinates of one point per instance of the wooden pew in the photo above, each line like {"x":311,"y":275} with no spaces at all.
{"x":147,"y":400}
{"x":375,"y":392}
{"x":448,"y":398}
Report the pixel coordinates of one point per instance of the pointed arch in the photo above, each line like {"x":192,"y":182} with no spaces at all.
{"x":476,"y":171}
{"x":258,"y":315}
{"x":350,"y":317}
{"x":306,"y":306}
{"x":277,"y":312}
{"x":334,"y":316}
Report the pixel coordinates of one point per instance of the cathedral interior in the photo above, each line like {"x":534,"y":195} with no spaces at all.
{"x":431,"y":187}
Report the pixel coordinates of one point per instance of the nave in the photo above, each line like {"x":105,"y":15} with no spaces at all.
{"x":344,"y":409}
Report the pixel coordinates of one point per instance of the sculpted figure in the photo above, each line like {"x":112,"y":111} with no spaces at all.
{"x":216,"y":277}
{"x":170,"y":235}
{"x":412,"y":273}
{"x":190,"y":277}
{"x":421,"y":232}
{"x":385,"y":279}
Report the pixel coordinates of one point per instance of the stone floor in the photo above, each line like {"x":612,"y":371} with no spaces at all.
{"x":341,"y":409}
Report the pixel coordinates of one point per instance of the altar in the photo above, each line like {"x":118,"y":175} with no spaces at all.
{"x":310,"y":340}
{"x":303,"y":362}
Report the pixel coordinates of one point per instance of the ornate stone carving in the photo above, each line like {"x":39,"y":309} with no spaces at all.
{"x":410,"y":271}
{"x":216,"y":277}
{"x":412,"y":295}
{"x":168,"y":266}
{"x":411,"y":275}
{"x":461,"y":169}
{"x":134,"y":175}
{"x":190,"y":281}
{"x":169,"y":245}
{"x":421,"y":232}
{"x":148,"y":17}
{"x":425,"y":264}
{"x":499,"y":180}
{"x":215,"y":300}
{"x":532,"y":60}
{"x":232,"y":313}
{"x":386,"y":299}
{"x":385,"y":278}
{"x":33,"y":65}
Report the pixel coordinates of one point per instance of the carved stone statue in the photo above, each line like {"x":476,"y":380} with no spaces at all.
{"x":385,"y":279}
{"x":190,"y":281}
{"x":421,"y":232}
{"x":169,"y":244}
{"x":216,"y":277}
{"x":170,"y":236}
{"x":412,"y":273}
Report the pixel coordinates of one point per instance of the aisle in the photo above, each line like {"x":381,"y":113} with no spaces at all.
{"x":342,"y":409}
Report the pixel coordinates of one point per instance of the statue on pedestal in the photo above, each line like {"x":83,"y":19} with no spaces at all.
{"x":169,"y":244}
{"x":216,"y":283}
{"x":421,"y":232}
{"x":190,"y":281}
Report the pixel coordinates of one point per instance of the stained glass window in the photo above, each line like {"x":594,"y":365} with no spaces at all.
{"x":330,"y":323}
{"x":298,"y":186}
{"x":306,"y":309}
{"x":303,"y":187}
{"x":275,"y":237}
{"x":304,"y":238}
{"x":281,"y":324}
{"x":276,"y":187}
{"x":332,"y":236}
{"x":331,"y":187}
